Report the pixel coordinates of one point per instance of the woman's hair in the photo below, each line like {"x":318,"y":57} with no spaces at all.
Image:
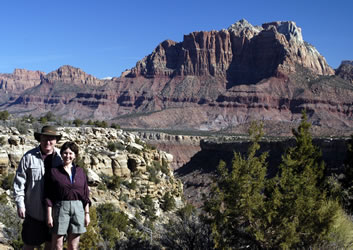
{"x":71,"y":145}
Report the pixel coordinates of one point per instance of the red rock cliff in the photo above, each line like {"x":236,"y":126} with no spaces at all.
{"x":242,"y":54}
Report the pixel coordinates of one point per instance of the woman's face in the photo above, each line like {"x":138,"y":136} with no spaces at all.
{"x":68,"y":156}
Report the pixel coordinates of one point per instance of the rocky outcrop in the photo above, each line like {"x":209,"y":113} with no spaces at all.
{"x":71,"y":75}
{"x":142,"y":171}
{"x":345,"y":71}
{"x":19,"y":80}
{"x":181,"y":147}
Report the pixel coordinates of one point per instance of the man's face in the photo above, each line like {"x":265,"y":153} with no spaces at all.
{"x":47,"y":143}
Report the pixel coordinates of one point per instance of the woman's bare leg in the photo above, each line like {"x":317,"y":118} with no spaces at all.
{"x":72,"y":241}
{"x":57,"y":241}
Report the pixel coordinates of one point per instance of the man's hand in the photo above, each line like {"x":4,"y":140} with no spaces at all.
{"x":21,"y":211}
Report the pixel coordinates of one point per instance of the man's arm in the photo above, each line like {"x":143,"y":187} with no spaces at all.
{"x":19,"y":187}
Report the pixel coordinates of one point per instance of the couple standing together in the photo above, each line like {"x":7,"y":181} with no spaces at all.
{"x":51,"y":193}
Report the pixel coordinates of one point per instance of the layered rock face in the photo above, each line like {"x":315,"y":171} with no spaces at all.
{"x":71,"y":75}
{"x":20,"y":80}
{"x":242,"y":54}
{"x":182,"y":147}
{"x":211,"y":81}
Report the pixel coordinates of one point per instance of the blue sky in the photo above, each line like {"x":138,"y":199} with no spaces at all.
{"x":105,"y":37}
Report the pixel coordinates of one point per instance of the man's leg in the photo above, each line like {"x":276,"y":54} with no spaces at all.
{"x":47,"y":245}
{"x":28,"y":247}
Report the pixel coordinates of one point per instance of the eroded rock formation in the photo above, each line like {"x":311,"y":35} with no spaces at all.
{"x":211,"y":81}
{"x":20,"y":80}
{"x":131,"y":162}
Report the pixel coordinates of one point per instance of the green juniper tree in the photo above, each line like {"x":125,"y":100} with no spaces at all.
{"x":298,"y":212}
{"x":288,"y":211}
{"x":237,"y":199}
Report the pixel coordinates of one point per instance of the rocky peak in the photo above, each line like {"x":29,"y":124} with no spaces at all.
{"x":288,"y":28}
{"x":273,"y":49}
{"x":347,"y":62}
{"x":345,"y":70}
{"x":68,"y":74}
{"x":243,"y":27}
{"x":20,"y":79}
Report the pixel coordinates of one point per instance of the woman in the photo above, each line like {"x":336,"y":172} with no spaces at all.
{"x":67,"y":199}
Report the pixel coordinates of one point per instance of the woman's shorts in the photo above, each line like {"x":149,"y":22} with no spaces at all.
{"x":69,"y":217}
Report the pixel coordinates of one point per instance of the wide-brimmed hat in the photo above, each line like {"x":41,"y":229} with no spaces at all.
{"x":49,"y":131}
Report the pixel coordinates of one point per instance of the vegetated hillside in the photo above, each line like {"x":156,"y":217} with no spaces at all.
{"x":211,"y":81}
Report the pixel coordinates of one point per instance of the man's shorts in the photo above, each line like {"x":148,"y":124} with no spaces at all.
{"x":69,"y":217}
{"x":34,"y":232}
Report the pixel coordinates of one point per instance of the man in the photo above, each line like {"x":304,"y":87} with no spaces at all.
{"x":29,"y":187}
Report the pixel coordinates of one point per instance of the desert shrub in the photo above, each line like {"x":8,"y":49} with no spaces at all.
{"x":28,"y":119}
{"x":187,"y":233}
{"x":341,"y":234}
{"x":153,"y":175}
{"x":114,"y":146}
{"x":123,"y":197}
{"x":77,"y":122}
{"x":12,"y":222}
{"x":48,"y":117}
{"x":102,"y":186}
{"x":91,"y":239}
{"x":156,"y":165}
{"x":147,"y":200}
{"x":111,"y":222}
{"x":3,"y":198}
{"x":150,"y":147}
{"x":110,"y":182}
{"x":4,"y":115}
{"x":139,"y":141}
{"x":136,"y":242}
{"x":148,"y":207}
{"x":100,"y":124}
{"x":168,"y":202}
{"x":2,"y":141}
{"x":133,"y":150}
{"x":165,"y":167}
{"x":89,"y":123}
{"x":43,"y":120}
{"x":7,"y":181}
{"x":21,"y":127}
{"x":130,"y":185}
{"x":116,"y":126}
{"x":186,"y":211}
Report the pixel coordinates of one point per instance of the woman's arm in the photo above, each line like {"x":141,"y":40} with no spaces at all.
{"x":49,"y":217}
{"x":87,"y":217}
